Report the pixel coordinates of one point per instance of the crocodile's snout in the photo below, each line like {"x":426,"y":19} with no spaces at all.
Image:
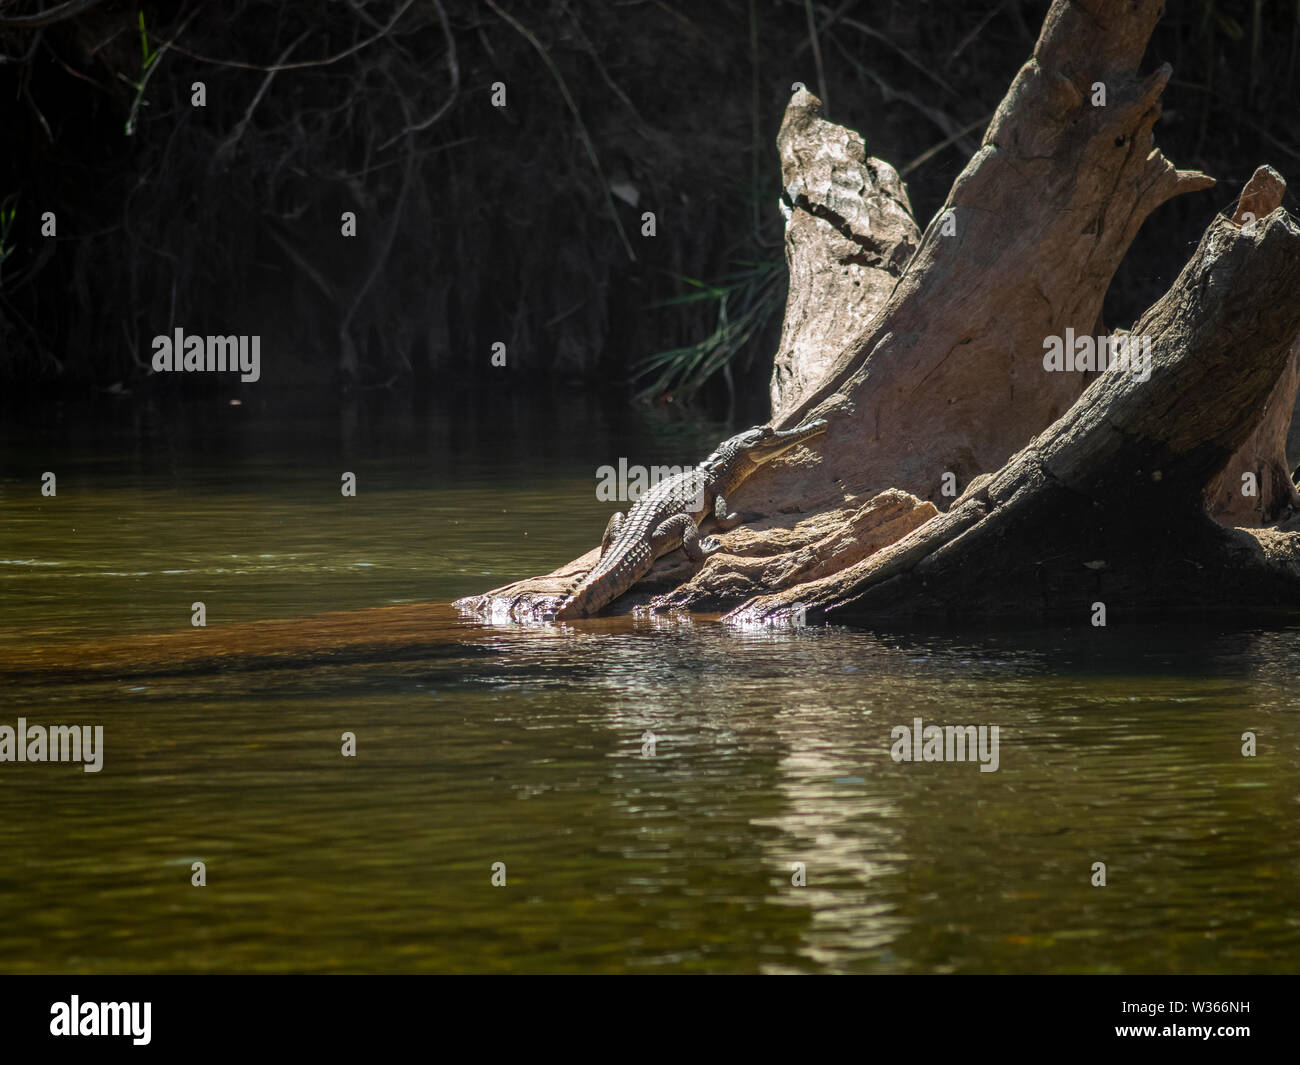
{"x":778,"y":442}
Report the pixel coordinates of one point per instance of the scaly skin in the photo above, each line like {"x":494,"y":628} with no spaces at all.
{"x":667,"y":517}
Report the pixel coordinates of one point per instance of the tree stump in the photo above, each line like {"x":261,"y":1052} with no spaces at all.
{"x":960,"y":475}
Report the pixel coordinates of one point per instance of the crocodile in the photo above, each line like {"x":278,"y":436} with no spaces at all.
{"x":668,"y":515}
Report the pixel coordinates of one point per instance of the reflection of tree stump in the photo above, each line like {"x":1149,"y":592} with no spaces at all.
{"x":926,"y":356}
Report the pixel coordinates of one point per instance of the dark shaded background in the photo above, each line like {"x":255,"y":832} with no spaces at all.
{"x":479,"y":224}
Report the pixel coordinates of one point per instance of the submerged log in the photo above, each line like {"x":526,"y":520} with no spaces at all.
{"x":929,"y":366}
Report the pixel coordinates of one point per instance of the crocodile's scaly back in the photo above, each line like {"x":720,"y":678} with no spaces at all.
{"x":667,"y":516}
{"x":632,"y":553}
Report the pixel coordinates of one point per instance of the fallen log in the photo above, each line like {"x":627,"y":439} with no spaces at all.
{"x":926,"y":356}
{"x":1107,"y":507}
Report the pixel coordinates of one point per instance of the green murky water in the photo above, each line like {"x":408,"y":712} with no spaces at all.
{"x":524,"y":745}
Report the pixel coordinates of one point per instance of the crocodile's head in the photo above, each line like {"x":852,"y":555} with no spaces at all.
{"x":762,"y":444}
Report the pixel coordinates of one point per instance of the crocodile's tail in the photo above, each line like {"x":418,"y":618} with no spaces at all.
{"x":569,"y":605}
{"x":612,"y":575}
{"x":588,"y":595}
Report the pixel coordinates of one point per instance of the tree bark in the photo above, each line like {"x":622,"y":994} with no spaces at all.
{"x":926,"y":357}
{"x":1107,"y":506}
{"x":1264,"y":454}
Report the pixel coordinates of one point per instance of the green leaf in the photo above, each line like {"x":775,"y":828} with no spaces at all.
{"x":148,"y":56}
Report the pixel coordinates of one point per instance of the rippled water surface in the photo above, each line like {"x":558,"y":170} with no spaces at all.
{"x":525,"y":745}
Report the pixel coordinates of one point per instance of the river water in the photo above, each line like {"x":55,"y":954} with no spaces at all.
{"x":653,"y":787}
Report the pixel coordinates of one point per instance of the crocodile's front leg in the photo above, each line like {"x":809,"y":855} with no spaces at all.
{"x":611,"y":531}
{"x":680,"y":530}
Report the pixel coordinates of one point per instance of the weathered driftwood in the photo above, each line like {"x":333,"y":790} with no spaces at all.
{"x":849,"y":233}
{"x":1107,"y":506}
{"x":931,"y":373}
{"x":1264,"y":454}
